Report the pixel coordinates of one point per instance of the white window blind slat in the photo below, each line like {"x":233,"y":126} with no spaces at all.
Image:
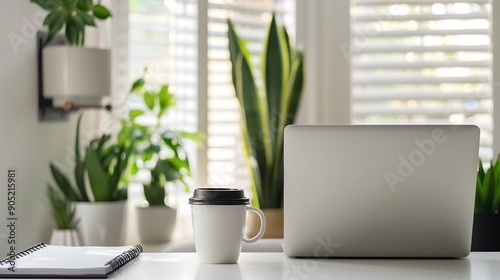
{"x":425,"y":17}
{"x":418,"y":2}
{"x":422,"y":62}
{"x":373,"y":95}
{"x":419,"y":49}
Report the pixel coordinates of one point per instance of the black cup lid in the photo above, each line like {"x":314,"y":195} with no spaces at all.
{"x":218,"y":196}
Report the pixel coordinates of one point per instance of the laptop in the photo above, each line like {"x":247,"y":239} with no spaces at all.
{"x":379,"y":190}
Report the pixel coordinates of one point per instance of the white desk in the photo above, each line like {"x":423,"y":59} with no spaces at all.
{"x":262,"y":266}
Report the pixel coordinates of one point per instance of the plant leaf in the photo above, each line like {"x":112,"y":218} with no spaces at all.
{"x":63,"y":183}
{"x":86,"y":18}
{"x":72,"y":33}
{"x":275,"y":74}
{"x":495,"y":207}
{"x":49,"y":5}
{"x":121,"y":165}
{"x":170,"y":173}
{"x":154,"y":194}
{"x":101,"y":12}
{"x":149,"y":99}
{"x":166,"y":100}
{"x":85,"y":5}
{"x":137,"y":86}
{"x":295,"y":90}
{"x":79,"y":164}
{"x":97,"y":176}
{"x":135,"y":113}
{"x":56,"y":24}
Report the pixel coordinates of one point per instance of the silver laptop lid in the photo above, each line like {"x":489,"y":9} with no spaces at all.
{"x":379,"y":190}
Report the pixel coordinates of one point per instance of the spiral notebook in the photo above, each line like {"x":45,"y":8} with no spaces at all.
{"x":51,"y":261}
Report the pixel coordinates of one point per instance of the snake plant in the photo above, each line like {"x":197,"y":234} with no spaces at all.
{"x":488,"y":189}
{"x":266,"y":110}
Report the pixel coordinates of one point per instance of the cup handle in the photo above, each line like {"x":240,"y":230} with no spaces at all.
{"x":262,"y":225}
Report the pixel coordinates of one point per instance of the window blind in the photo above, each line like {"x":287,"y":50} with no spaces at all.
{"x":422,"y":62}
{"x":166,"y":36}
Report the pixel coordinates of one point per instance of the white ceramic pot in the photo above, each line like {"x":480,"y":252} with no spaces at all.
{"x":66,"y":237}
{"x":156,"y":223}
{"x":76,"y":74}
{"x":101,"y":223}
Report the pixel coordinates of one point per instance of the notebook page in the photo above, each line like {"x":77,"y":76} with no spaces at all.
{"x":54,"y":259}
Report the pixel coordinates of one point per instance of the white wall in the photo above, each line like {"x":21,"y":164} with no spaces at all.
{"x":325,"y":38}
{"x":25,"y":143}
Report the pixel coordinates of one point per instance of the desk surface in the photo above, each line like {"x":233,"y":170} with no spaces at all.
{"x":264,"y":266}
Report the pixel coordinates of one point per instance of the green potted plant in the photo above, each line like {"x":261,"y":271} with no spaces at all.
{"x":160,"y":151}
{"x":101,"y":206}
{"x":486,"y":229}
{"x":74,"y":73}
{"x":64,"y":216}
{"x":265,"y":112}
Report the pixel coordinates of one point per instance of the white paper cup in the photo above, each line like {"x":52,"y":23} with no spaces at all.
{"x":219,"y":223}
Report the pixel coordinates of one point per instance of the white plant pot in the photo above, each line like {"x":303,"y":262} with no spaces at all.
{"x":66,"y":237}
{"x":76,"y":74}
{"x":156,"y":223}
{"x":101,"y":223}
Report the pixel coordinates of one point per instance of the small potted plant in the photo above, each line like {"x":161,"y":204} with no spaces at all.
{"x":100,"y":207}
{"x":160,"y":151}
{"x":74,"y":73}
{"x":486,"y":229}
{"x":64,"y":216}
{"x":265,"y":112}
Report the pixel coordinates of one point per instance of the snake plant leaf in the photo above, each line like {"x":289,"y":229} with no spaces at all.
{"x":295,"y":89}
{"x":99,"y":182}
{"x":63,"y":183}
{"x":79,"y":164}
{"x":254,"y":116}
{"x":258,"y":134}
{"x":485,"y":192}
{"x":274,"y":69}
{"x":289,"y":50}
{"x":257,"y":188}
{"x":102,"y":141}
{"x":496,"y":188}
{"x":236,"y":47}
{"x":119,"y":169}
{"x":480,"y":172}
{"x":490,"y":192}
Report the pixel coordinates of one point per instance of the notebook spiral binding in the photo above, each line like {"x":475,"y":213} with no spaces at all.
{"x":125,"y":257}
{"x":24,"y":252}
